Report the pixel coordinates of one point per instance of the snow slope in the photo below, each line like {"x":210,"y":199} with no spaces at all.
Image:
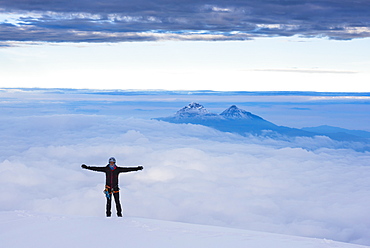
{"x":19,"y":229}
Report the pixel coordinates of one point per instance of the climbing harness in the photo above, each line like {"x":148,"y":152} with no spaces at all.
{"x":108,"y":192}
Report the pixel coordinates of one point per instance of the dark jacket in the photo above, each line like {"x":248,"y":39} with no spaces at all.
{"x":111,"y":176}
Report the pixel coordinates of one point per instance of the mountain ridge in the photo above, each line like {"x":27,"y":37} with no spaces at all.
{"x":233,"y":119}
{"x":236,"y":120}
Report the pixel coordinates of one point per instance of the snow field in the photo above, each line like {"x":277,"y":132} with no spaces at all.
{"x":19,"y":229}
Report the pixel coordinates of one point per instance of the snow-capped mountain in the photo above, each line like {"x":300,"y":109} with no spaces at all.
{"x":232,"y":119}
{"x":193,"y":110}
{"x":236,"y":113}
{"x":236,"y":120}
{"x":197,"y":111}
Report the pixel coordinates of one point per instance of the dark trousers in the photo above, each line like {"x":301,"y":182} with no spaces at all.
{"x":115,"y":194}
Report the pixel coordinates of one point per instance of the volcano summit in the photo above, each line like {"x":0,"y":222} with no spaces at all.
{"x":233,"y":119}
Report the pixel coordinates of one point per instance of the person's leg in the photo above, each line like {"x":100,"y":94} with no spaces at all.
{"x":118,"y":204}
{"x":109,"y":203}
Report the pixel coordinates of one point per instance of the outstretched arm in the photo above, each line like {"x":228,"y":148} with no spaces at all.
{"x":93,"y":168}
{"x":128,"y":169}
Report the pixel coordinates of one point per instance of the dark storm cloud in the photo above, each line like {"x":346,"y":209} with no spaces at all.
{"x":97,"y":21}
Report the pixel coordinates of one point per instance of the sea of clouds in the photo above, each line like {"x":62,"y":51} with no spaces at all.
{"x":313,"y":187}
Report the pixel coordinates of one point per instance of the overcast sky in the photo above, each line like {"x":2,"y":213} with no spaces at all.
{"x":115,"y":20}
{"x":319,"y":45}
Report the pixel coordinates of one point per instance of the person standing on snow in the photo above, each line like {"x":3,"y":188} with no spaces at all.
{"x":112,"y":172}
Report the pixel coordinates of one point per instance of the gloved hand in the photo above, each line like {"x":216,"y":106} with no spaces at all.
{"x":140,"y":167}
{"x":84,"y":166}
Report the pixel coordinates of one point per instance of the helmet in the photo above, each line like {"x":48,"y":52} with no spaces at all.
{"x":112,"y":159}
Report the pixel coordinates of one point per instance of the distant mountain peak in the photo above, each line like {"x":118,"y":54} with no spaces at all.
{"x":194,"y":107}
{"x":193,"y":110}
{"x":236,"y":113}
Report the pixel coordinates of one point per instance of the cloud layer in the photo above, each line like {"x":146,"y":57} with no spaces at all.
{"x":115,"y":21}
{"x":313,"y":187}
{"x":192,"y":174}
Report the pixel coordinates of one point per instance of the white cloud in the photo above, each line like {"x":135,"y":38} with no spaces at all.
{"x":192,"y":174}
